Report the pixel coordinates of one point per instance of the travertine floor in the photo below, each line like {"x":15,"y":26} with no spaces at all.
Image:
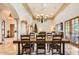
{"x":8,"y":48}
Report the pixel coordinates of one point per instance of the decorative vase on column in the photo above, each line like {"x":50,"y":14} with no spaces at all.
{"x":35,"y":28}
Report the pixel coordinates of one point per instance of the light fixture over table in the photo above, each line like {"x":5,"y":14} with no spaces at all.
{"x":42,"y":17}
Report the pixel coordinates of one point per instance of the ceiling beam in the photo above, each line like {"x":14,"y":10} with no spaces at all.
{"x":28,"y":9}
{"x":63,"y":7}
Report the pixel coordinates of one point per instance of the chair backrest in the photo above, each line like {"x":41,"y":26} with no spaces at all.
{"x":57,"y":40}
{"x":49,"y":35}
{"x":60,"y":33}
{"x":25,"y":38}
{"x":40,"y":38}
{"x":57,"y":37}
{"x":53,"y":32}
{"x":42,"y":33}
{"x":32,"y":35}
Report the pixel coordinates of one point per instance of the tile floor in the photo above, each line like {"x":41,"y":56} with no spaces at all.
{"x":8,"y":48}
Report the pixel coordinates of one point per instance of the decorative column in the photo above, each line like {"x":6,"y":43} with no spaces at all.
{"x":17,"y":22}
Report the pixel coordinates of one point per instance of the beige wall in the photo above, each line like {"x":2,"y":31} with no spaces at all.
{"x":45,"y":26}
{"x":0,"y":30}
{"x":22,"y":13}
{"x":71,"y":11}
{"x":3,"y":16}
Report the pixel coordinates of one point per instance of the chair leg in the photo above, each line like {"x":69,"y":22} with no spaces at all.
{"x":52,"y":51}
{"x":25,"y":51}
{"x":22,"y":51}
{"x":32,"y":47}
{"x":30,"y":52}
{"x":49,"y":48}
{"x":45,"y":51}
{"x":36,"y":51}
{"x":60,"y":51}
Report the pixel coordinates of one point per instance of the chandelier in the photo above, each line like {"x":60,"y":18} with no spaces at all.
{"x":41,"y":18}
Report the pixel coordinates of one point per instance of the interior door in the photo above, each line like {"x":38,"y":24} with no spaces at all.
{"x":11,"y":30}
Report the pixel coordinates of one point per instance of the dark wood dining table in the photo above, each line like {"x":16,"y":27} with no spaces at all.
{"x":18,"y":42}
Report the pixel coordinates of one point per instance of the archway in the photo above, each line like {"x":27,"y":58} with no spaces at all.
{"x":5,"y":11}
{"x":24,"y":27}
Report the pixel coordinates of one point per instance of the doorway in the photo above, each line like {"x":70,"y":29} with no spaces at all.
{"x":12,"y":30}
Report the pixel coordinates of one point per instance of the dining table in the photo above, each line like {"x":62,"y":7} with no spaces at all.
{"x":19,"y":42}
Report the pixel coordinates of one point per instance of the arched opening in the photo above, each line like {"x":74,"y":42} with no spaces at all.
{"x":8,"y":22}
{"x":24,"y":27}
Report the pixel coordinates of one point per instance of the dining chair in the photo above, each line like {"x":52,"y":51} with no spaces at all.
{"x":26,"y":46}
{"x":40,"y":39}
{"x":42,"y":33}
{"x":56,"y":44}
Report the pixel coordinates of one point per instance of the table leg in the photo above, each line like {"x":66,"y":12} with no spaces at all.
{"x":18,"y":48}
{"x":63,"y":48}
{"x":48,"y":47}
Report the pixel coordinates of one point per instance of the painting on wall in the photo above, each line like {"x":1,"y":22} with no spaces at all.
{"x":59,"y":27}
